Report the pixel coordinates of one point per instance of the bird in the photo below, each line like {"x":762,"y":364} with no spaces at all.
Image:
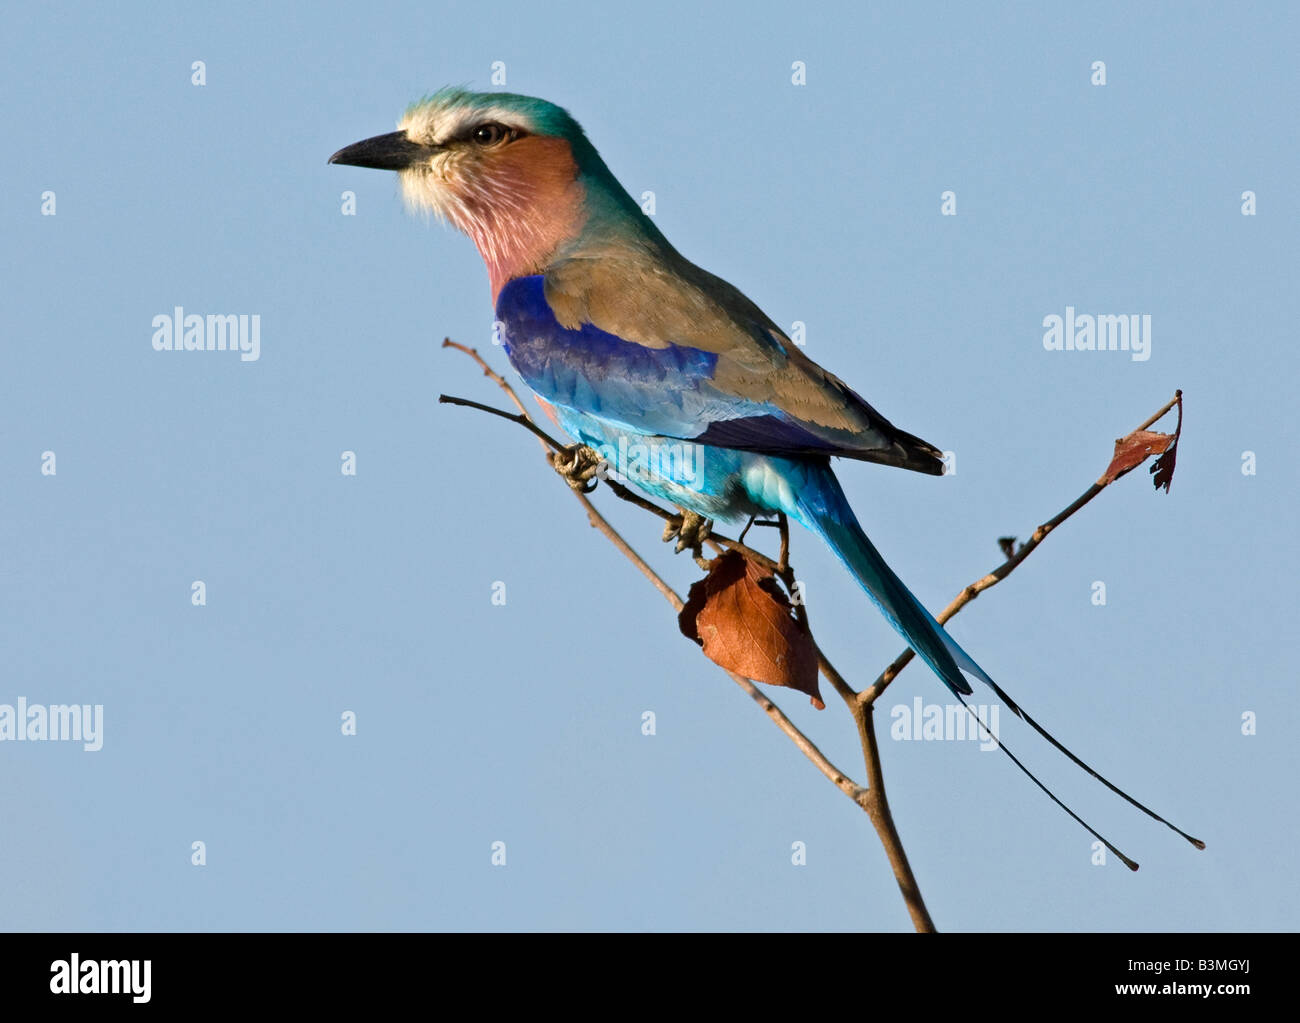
{"x":624,"y":341}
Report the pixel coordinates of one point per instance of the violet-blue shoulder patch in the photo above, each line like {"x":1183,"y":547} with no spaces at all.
{"x":667,"y":392}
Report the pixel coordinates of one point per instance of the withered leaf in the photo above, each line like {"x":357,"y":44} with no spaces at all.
{"x":741,"y":617}
{"x":1133,"y":450}
{"x":1162,"y":469}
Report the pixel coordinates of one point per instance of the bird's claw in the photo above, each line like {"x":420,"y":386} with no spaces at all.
{"x":690,"y":530}
{"x":580,"y":466}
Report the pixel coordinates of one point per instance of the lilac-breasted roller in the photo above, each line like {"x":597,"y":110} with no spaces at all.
{"x":630,"y":343}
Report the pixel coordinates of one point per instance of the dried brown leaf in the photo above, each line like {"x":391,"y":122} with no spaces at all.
{"x":1133,"y":450}
{"x":741,"y":617}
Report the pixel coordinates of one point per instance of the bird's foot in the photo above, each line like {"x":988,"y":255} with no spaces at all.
{"x":690,"y":529}
{"x":580,"y":466}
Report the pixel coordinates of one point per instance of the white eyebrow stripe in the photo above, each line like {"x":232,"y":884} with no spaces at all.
{"x":437,"y":125}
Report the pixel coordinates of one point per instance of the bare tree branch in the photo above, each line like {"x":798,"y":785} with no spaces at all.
{"x":872,"y":798}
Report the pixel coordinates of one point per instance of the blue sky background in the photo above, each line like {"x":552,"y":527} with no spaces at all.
{"x":479,"y":723}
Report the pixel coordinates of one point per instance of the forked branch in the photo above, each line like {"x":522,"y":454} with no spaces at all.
{"x":872,"y":797}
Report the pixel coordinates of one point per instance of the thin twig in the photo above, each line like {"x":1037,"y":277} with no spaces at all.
{"x":522,"y":419}
{"x":869,"y":695}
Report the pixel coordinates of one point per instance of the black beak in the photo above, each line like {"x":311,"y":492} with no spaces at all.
{"x":393,"y":151}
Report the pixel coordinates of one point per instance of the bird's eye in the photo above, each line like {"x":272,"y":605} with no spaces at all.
{"x":492,"y":133}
